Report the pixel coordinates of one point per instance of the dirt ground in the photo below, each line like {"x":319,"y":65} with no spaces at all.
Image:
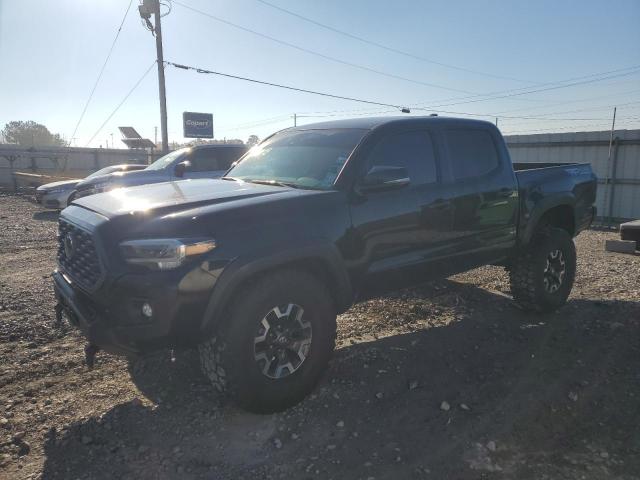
{"x":445,"y":381}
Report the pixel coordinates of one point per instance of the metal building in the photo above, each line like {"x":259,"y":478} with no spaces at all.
{"x":618,"y":174}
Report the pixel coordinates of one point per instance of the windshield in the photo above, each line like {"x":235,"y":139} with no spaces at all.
{"x":166,"y":160}
{"x":105,"y":171}
{"x":302,"y":158}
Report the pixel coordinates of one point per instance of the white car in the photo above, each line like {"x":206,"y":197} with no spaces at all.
{"x":56,"y":194}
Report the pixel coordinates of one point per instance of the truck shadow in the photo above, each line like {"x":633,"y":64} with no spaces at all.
{"x":492,"y":391}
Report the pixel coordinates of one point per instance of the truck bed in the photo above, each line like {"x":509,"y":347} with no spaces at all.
{"x":541,"y":183}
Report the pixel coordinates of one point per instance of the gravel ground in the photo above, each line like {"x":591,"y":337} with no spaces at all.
{"x":445,"y":381}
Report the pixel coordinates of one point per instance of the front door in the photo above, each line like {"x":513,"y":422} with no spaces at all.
{"x":399,"y":229}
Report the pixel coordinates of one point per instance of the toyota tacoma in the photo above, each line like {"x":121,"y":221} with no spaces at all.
{"x":254,"y":267}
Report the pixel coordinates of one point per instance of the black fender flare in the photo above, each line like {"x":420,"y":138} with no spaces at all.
{"x":541,"y":208}
{"x":241,"y":269}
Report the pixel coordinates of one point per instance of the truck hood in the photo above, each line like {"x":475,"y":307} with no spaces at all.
{"x":177,"y":196}
{"x":66,"y":184}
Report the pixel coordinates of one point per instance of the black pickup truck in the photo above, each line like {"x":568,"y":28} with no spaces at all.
{"x":254,"y":267}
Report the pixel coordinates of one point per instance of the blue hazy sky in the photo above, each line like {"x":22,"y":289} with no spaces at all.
{"x":52,"y":51}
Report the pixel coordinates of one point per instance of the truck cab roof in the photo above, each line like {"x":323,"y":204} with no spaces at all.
{"x":372,"y":123}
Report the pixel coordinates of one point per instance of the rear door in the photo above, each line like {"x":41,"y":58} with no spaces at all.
{"x":483,"y":192}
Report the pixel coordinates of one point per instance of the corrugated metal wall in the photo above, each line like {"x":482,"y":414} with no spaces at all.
{"x":618,"y":178}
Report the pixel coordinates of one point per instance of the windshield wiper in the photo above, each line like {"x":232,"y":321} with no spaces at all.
{"x":274,"y":183}
{"x":231,"y":178}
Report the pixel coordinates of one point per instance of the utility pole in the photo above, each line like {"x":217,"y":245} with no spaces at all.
{"x":607,"y":214}
{"x":155,"y":135}
{"x":147,"y":8}
{"x":295,"y":119}
{"x":496,"y":121}
{"x":111,"y":139}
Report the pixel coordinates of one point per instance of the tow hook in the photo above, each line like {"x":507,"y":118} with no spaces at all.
{"x":90,"y":351}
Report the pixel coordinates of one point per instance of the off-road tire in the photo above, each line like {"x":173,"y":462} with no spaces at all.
{"x":526,"y":271}
{"x":228,"y":357}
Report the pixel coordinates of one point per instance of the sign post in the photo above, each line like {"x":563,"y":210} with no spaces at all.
{"x":197,"y":125}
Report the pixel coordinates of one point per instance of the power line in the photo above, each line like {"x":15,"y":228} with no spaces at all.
{"x":489,"y":96}
{"x":287,"y":87}
{"x":388,"y":48}
{"x":510,"y":116}
{"x":585,"y":109}
{"x":421,"y":105}
{"x":581,"y":100}
{"x":515,"y":93}
{"x":560,"y":128}
{"x":321,"y":55}
{"x":121,"y":102}
{"x":360,"y":100}
{"x":106,"y":60}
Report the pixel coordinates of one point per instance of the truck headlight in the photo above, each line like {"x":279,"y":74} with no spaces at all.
{"x":99,"y":188}
{"x":163,"y":253}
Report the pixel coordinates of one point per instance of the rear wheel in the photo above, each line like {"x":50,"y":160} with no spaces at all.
{"x":275,"y":342}
{"x":542,"y":275}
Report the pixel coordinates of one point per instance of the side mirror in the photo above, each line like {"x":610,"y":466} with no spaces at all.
{"x":180,"y":168}
{"x":383,"y":178}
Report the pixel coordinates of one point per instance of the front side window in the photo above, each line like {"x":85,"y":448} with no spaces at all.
{"x":168,"y":159}
{"x":472,"y":152}
{"x":302,"y":158}
{"x":411,"y":150}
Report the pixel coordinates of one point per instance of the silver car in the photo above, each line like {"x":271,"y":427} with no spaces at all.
{"x":56,"y":194}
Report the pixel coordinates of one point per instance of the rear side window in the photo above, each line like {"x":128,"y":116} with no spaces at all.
{"x":411,"y":150}
{"x":472,"y":153}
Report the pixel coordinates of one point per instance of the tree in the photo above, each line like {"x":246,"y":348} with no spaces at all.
{"x":31,"y":134}
{"x":253,"y":140}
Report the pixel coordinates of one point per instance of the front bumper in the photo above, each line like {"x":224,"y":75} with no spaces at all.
{"x":53,"y":200}
{"x":112,"y":318}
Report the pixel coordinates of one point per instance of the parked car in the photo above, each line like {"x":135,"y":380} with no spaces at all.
{"x":254,"y":267}
{"x":58,"y":195}
{"x":201,"y":161}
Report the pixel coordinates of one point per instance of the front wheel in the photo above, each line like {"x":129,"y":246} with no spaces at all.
{"x":542,"y":275}
{"x":274,"y":342}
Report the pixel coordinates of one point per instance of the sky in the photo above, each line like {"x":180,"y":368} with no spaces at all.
{"x":459,"y":56}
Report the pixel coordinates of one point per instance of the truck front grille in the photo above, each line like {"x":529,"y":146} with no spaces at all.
{"x":77,"y":255}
